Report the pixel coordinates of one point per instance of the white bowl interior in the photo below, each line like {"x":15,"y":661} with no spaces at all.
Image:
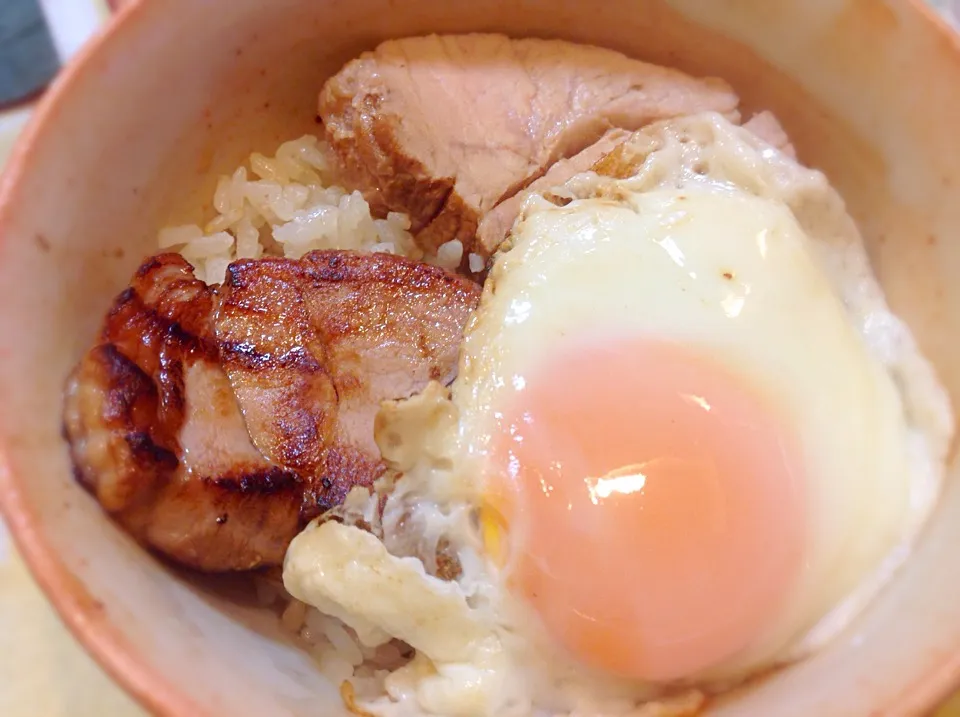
{"x":187,"y":89}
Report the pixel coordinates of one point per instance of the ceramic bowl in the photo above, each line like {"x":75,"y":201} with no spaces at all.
{"x":134,"y":134}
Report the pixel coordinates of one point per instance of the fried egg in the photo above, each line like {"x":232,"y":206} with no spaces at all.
{"x":670,"y":399}
{"x":687,"y":441}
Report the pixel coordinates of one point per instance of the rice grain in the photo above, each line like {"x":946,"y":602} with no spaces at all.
{"x":290,"y":206}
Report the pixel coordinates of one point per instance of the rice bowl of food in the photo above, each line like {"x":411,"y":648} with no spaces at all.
{"x":493,"y":360}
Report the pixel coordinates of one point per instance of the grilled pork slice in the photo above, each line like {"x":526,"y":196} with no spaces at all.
{"x":447,"y":127}
{"x":767,"y":127}
{"x":312,"y":348}
{"x":156,"y":434}
{"x":155,"y":429}
{"x":496,"y":224}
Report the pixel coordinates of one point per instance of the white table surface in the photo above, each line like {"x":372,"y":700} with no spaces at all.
{"x":43,"y":671}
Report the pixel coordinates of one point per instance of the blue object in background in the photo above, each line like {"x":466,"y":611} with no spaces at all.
{"x":28,"y":59}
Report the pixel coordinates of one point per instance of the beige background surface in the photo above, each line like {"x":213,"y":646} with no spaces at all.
{"x":43,"y":671}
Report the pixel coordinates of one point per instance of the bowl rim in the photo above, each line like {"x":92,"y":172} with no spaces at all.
{"x":80,"y":611}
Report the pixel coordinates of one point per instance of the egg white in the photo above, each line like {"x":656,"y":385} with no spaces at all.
{"x":729,"y":275}
{"x":720,"y":242}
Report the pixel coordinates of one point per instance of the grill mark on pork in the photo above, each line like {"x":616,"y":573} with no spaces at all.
{"x":263,"y":482}
{"x":129,"y":402}
{"x":145,"y":451}
{"x":273,"y":357}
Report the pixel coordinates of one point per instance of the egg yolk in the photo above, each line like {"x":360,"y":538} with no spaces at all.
{"x":651,"y":504}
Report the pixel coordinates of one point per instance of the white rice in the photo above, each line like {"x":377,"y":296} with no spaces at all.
{"x":288,"y":205}
{"x":334,"y":647}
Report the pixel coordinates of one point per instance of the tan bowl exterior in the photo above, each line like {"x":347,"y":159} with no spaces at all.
{"x":134,"y":134}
